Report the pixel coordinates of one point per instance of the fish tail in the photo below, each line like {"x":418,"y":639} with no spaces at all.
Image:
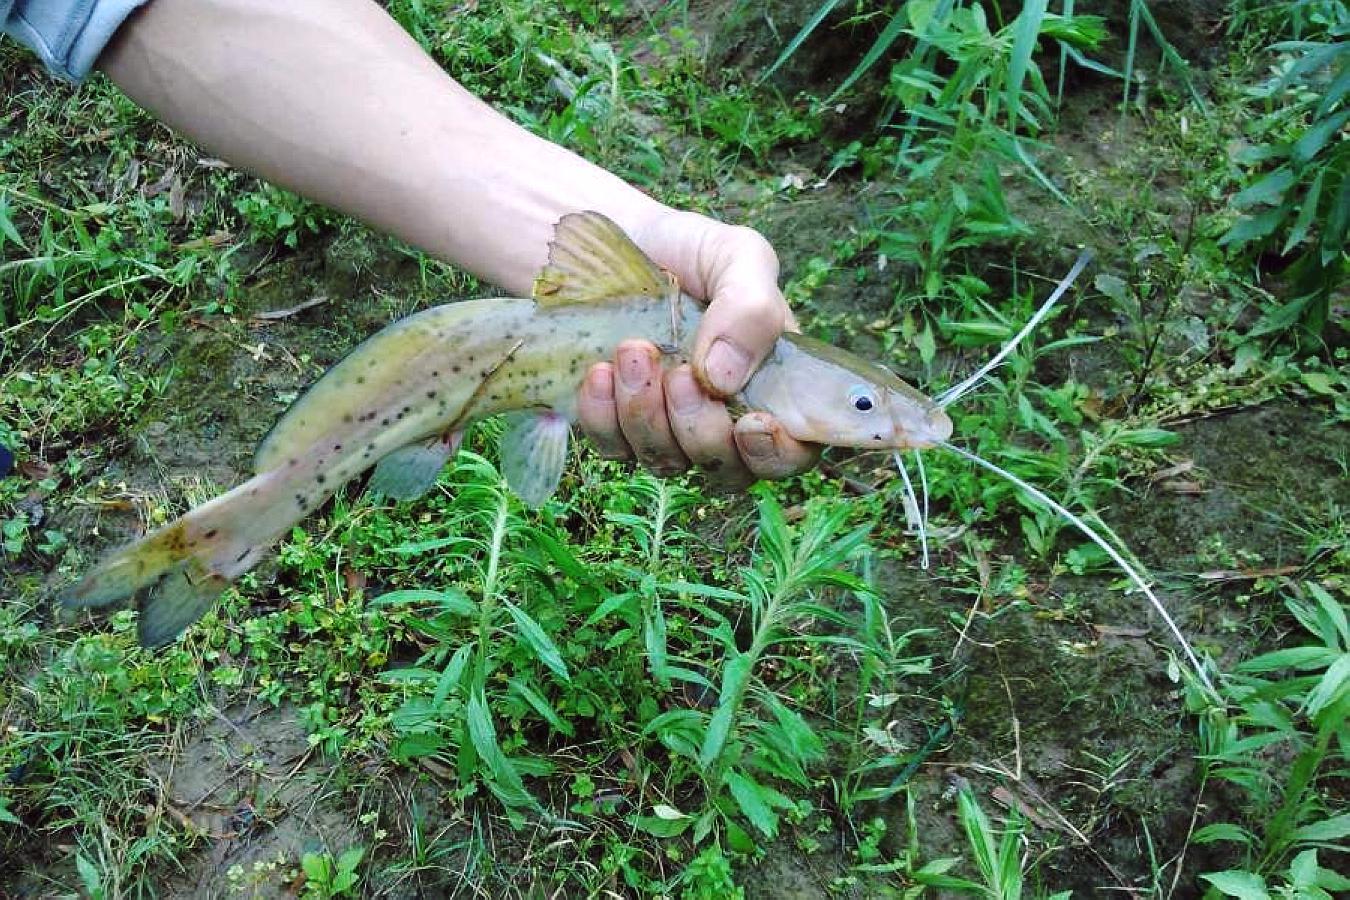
{"x":181,"y":569}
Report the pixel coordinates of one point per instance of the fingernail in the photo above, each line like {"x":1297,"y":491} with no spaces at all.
{"x":600,"y":384}
{"x":756,"y":440}
{"x":727,"y":366}
{"x":682,"y":392}
{"x":635,"y":368}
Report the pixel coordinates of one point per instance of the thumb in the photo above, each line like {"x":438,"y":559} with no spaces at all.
{"x":746,"y":313}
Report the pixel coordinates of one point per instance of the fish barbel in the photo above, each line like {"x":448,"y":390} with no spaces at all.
{"x":401,"y":400}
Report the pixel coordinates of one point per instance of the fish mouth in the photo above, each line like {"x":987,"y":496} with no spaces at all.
{"x":939,"y":425}
{"x":922,"y":434}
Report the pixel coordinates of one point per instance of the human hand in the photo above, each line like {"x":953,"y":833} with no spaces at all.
{"x":669,"y":423}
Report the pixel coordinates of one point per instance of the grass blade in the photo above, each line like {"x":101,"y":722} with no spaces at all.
{"x":806,"y":31}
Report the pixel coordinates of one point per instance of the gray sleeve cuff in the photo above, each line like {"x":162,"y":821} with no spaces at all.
{"x":67,"y":35}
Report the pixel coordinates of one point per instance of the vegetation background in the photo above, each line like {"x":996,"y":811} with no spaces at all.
{"x":646,"y":690}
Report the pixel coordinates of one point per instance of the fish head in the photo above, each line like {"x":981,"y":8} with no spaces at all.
{"x":825,"y":395}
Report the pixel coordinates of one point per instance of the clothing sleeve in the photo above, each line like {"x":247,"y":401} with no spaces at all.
{"x":67,"y":35}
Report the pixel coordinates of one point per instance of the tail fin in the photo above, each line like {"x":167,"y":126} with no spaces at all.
{"x":184,"y":566}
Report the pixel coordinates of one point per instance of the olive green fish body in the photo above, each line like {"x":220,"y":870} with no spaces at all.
{"x":401,"y":399}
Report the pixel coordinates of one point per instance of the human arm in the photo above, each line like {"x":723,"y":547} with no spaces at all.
{"x":332,"y":99}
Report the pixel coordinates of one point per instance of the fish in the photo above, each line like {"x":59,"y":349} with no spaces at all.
{"x":400,"y":402}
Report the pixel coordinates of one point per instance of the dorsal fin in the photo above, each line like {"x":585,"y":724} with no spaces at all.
{"x":591,"y":260}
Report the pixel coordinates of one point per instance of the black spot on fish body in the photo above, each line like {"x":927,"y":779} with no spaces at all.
{"x":293,"y":462}
{"x":211,"y":534}
{"x":240,"y":557}
{"x":337,"y":447}
{"x":455,"y":369}
{"x":320,"y":478}
{"x":347,"y":419}
{"x":385,"y":421}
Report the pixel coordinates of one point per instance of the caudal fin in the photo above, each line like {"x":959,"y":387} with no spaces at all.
{"x":183,"y":567}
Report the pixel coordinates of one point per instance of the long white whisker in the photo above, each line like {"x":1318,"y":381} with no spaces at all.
{"x":923,"y":483}
{"x":1110,"y":551}
{"x":915,"y":519}
{"x":951,"y":395}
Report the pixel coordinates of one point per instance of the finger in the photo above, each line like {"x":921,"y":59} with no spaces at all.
{"x":642,"y":409}
{"x":769,"y":451}
{"x":703,"y":429}
{"x":598,"y":413}
{"x":746,"y":313}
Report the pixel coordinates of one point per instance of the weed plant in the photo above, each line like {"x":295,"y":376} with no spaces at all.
{"x":643,"y":689}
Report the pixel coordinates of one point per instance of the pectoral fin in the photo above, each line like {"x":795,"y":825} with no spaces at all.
{"x":409,"y":472}
{"x":533,"y":453}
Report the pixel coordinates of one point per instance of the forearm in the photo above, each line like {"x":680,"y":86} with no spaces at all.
{"x":332,"y":99}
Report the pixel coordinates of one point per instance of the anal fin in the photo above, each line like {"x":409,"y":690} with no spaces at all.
{"x":181,"y":596}
{"x":533,"y":454}
{"x":409,"y":472}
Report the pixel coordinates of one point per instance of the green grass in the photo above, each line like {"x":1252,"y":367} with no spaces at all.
{"x":643,"y":688}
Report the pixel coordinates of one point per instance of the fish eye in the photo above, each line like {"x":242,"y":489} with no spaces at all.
{"x":861,"y":399}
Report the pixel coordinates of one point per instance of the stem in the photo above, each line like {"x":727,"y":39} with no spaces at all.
{"x":486,"y":607}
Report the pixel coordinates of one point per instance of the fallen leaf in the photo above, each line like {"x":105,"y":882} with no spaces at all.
{"x":215,"y":239}
{"x":1180,"y":468}
{"x":1120,"y":631}
{"x":1247,"y":574}
{"x":272,"y":315}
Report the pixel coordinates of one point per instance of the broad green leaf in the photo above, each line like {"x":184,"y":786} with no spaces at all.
{"x":702,"y":590}
{"x":612,"y":604}
{"x":1147,"y":437}
{"x":416,"y":745}
{"x":1331,"y":687}
{"x":503,"y":779}
{"x":735,"y":673}
{"x":1221,"y":831}
{"x":1301,"y":658}
{"x":1026,"y":29}
{"x":1268,"y":190}
{"x":752,"y":804}
{"x":538,"y":640}
{"x":1237,"y":883}
{"x":351,"y":858}
{"x":7,"y":229}
{"x":654,"y":636}
{"x":658,"y":826}
{"x":1316,"y":137}
{"x":451,"y":675}
{"x":1306,"y":215}
{"x":1254,"y":228}
{"x":541,"y":706}
{"x":1334,"y":612}
{"x":1332,"y":829}
{"x":453,"y":600}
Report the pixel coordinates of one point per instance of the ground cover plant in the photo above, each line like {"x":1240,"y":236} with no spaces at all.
{"x":645,"y":689}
